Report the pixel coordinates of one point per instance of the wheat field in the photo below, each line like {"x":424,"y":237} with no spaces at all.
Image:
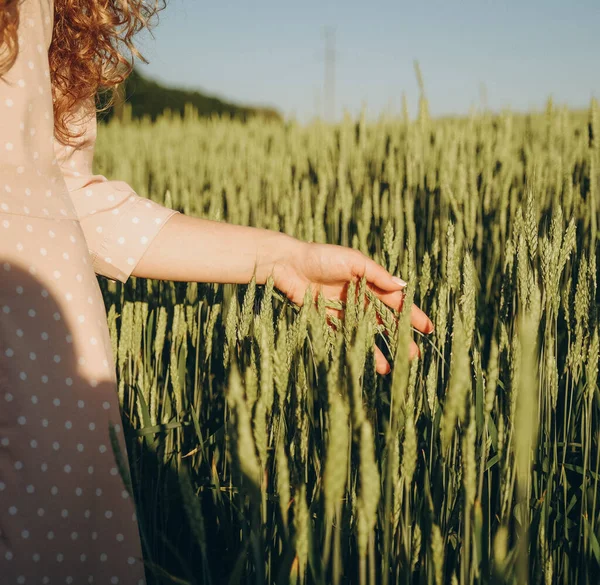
{"x":264,"y":448}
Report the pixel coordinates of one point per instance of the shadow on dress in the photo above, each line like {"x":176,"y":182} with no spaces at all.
{"x":56,"y":453}
{"x":54,"y":391}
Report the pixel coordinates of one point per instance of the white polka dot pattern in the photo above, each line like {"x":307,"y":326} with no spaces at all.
{"x":118,"y":224}
{"x":65,"y":516}
{"x":40,"y":177}
{"x":64,"y":511}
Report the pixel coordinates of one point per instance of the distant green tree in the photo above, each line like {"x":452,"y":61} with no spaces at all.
{"x":149,"y":98}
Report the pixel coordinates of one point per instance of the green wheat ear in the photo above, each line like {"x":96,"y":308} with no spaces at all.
{"x":388,"y":316}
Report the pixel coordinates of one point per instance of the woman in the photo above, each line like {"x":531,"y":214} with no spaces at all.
{"x":65,"y":516}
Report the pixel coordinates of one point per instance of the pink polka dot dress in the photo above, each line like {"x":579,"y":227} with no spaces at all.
{"x":65,"y":515}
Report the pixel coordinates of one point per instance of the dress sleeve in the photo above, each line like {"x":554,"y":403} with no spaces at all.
{"x":117,"y":223}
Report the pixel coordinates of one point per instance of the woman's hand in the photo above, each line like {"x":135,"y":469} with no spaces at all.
{"x":330,"y":268}
{"x":193,"y":249}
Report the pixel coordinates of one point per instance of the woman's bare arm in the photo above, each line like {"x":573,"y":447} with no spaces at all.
{"x":200,"y":250}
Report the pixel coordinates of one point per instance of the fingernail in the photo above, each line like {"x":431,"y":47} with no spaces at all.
{"x":399,"y":281}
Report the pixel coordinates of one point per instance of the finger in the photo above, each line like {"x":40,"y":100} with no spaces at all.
{"x":381,"y":364}
{"x":338,"y":313}
{"x":418,"y":319}
{"x":377,"y":274}
{"x":413,"y":351}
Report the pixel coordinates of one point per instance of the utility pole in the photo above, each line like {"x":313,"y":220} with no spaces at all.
{"x":329,"y":89}
{"x":318,"y":103}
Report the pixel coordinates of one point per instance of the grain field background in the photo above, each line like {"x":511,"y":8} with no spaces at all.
{"x":264,"y":448}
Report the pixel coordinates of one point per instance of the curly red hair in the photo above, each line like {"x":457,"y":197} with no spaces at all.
{"x":88,"y":52}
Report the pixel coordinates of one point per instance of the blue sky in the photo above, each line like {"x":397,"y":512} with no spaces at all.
{"x":272,"y":53}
